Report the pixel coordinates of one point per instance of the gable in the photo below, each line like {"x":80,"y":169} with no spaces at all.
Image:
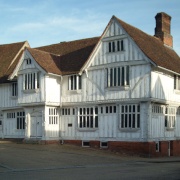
{"x":26,"y":64}
{"x":125,"y":49}
{"x":9,"y":57}
{"x":138,"y":46}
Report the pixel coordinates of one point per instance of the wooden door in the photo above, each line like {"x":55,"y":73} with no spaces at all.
{"x":36,"y":126}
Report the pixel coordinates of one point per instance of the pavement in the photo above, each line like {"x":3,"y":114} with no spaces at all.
{"x":34,"y":161}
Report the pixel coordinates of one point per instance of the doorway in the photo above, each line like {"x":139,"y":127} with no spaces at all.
{"x":36,"y":125}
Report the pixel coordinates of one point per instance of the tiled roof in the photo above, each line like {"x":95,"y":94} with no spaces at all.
{"x":153,"y":48}
{"x":7,"y":54}
{"x":69,"y":57}
{"x":46,"y":60}
{"x":72,"y":55}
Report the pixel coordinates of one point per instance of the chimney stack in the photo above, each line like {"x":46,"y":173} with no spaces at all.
{"x":163,"y":28}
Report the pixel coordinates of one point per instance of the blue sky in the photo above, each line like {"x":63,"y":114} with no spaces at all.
{"x":44,"y":22}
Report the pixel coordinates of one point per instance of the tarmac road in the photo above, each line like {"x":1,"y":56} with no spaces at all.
{"x":33,"y":161}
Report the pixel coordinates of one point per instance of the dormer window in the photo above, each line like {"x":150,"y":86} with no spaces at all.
{"x":74,"y":82}
{"x":28,"y":61}
{"x":31,"y":81}
{"x":115,"y":46}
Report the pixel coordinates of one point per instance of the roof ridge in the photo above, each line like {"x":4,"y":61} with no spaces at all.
{"x":43,"y":51}
{"x":69,"y":41}
{"x":13,"y":43}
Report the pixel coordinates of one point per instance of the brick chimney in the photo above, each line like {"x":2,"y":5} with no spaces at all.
{"x":163,"y":28}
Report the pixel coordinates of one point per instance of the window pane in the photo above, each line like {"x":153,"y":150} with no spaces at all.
{"x":130,"y":120}
{"x":72,"y":88}
{"x":125,"y":120}
{"x":118,"y":46}
{"x":165,"y":121}
{"x":134,"y":119}
{"x":80,"y":83}
{"x":75,"y":82}
{"x":119,"y":77}
{"x":84,"y":121}
{"x":96,"y":121}
{"x":111,"y":77}
{"x":80,"y":111}
{"x":178,"y":82}
{"x":80,"y":121}
{"x":122,"y":108}
{"x":88,"y":123}
{"x":106,"y":109}
{"x":138,"y":108}
{"x":110,"y":109}
{"x":87,"y":110}
{"x":91,"y":111}
{"x":91,"y":121}
{"x":114,"y":109}
{"x":109,"y":46}
{"x":122,"y":45}
{"x":138,"y":121}
{"x":96,"y":110}
{"x":115,"y":77}
{"x":17,"y":123}
{"x":113,"y":43}
{"x":101,"y":109}
{"x":84,"y":110}
{"x":122,"y":75}
{"x":127,"y":75}
{"x":122,"y":120}
{"x":38,"y":74}
{"x":174,"y":81}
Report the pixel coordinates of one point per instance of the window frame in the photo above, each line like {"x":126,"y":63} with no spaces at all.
{"x":116,"y":46}
{"x":28,"y":61}
{"x":74,"y":82}
{"x":87,"y":118}
{"x":14,"y":89}
{"x":31,"y":81}
{"x":170,"y":117}
{"x":130,"y":117}
{"x":118,"y":77}
{"x":53,"y":116}
{"x":177,"y":82}
{"x":20,"y":120}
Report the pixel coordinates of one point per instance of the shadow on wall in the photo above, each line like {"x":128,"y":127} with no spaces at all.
{"x":158,"y":90}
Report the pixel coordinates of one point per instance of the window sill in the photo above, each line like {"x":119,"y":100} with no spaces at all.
{"x":176,"y":91}
{"x":31,"y":91}
{"x":14,"y":97}
{"x":169,"y":129}
{"x":17,"y":130}
{"x":87,"y":129}
{"x":74,"y":91}
{"x":116,"y":52}
{"x":117,"y":88}
{"x":129,"y":129}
